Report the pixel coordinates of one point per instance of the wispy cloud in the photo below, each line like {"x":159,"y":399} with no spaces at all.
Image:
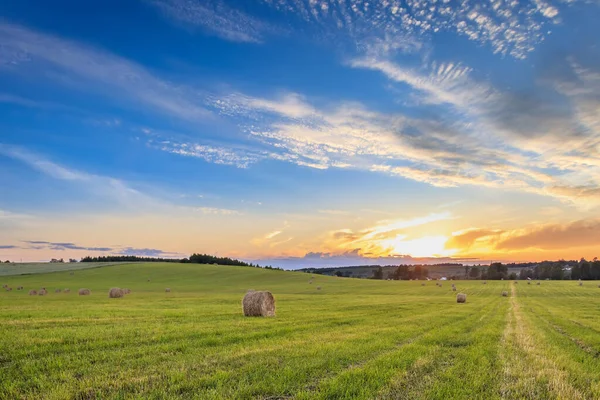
{"x":509,"y":28}
{"x":215,"y":17}
{"x":40,"y":244}
{"x":45,"y":57}
{"x":217,"y":211}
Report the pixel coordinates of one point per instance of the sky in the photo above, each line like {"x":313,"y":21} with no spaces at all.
{"x":300,"y":133}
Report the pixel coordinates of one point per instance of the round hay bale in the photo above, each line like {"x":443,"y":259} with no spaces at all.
{"x":57,"y":291}
{"x":461,"y":298}
{"x":580,"y":283}
{"x":528,"y":282}
{"x":114,"y":293}
{"x":539,"y":283}
{"x":33,"y":292}
{"x":42,"y":292}
{"x":318,"y":287}
{"x":168,"y":290}
{"x":67,"y":291}
{"x":505,"y":294}
{"x":84,"y":292}
{"x":422,"y":284}
{"x":258,"y":304}
{"x":72,"y":273}
{"x":454,"y":289}
{"x":516,"y":282}
{"x":485,"y":282}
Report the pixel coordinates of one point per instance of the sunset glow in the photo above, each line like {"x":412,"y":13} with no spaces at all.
{"x":299,"y":133}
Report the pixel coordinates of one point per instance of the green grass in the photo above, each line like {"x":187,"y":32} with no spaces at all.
{"x":352,"y":339}
{"x":7,"y":269}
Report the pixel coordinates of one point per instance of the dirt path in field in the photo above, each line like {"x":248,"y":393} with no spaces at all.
{"x":528,"y":373}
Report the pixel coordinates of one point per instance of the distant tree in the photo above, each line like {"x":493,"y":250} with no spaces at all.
{"x":7,"y":262}
{"x":378,"y":273}
{"x":467,"y":268}
{"x":512,"y":276}
{"x":72,"y":260}
{"x":474,"y":273}
{"x":339,"y":273}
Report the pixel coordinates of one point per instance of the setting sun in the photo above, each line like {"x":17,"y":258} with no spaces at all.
{"x":427,"y":246}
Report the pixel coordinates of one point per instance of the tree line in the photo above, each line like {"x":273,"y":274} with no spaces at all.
{"x":193,"y":259}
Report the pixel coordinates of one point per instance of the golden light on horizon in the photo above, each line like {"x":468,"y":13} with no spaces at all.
{"x":426,"y":246}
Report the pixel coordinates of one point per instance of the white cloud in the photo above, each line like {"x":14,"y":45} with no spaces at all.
{"x":217,"y":211}
{"x":42,"y":56}
{"x":214,"y":17}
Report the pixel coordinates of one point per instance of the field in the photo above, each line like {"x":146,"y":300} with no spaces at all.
{"x":352,"y":339}
{"x":7,"y":269}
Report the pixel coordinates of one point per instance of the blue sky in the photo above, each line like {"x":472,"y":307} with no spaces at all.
{"x":305,"y":132}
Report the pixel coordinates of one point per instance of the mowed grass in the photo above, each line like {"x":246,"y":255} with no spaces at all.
{"x":351,"y":339}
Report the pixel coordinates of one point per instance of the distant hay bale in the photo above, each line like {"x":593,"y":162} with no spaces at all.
{"x":259,"y":304}
{"x":422,"y":284}
{"x":19,"y":287}
{"x":454,"y":289}
{"x":516,"y":282}
{"x":4,"y":286}
{"x":148,"y":279}
{"x":84,"y":292}
{"x":33,"y":292}
{"x":8,"y":289}
{"x":505,"y":294}
{"x":580,"y":283}
{"x":168,"y":290}
{"x":42,"y":292}
{"x":57,"y":291}
{"x":461,"y":298}
{"x":67,"y":291}
{"x":126,"y":291}
{"x":485,"y":282}
{"x":318,"y":287}
{"x":72,"y":273}
{"x":115,"y":293}
{"x":529,"y":282}
{"x":539,"y":283}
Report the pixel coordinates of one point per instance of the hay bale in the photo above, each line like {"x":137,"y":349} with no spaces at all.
{"x":33,"y":292}
{"x":57,"y":291}
{"x":318,"y":287}
{"x":529,"y":282}
{"x":259,"y":304}
{"x":505,"y":294}
{"x":422,"y":284}
{"x":67,"y":291}
{"x":42,"y":292}
{"x":454,"y":289}
{"x":72,"y":273}
{"x":485,"y":282}
{"x":84,"y":292}
{"x":168,"y":290}
{"x":115,"y":293}
{"x":580,"y":283}
{"x":516,"y":282}
{"x":461,"y":298}
{"x":8,"y":289}
{"x":4,"y":286}
{"x":539,"y":283}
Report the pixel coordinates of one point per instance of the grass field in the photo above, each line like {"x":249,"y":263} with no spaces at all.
{"x":353,"y":339}
{"x":7,"y":269}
